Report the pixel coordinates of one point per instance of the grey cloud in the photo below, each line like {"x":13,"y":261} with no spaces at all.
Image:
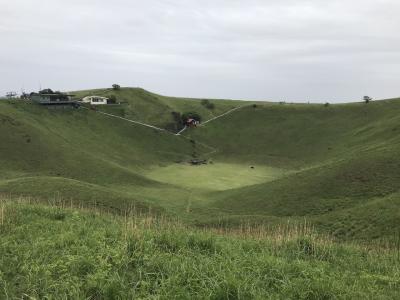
{"x":294,"y":50}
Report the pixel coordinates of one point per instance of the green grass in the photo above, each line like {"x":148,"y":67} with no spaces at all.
{"x":214,"y":177}
{"x":55,"y":253}
{"x":230,"y":229}
{"x":53,"y":151}
{"x":141,"y":105}
{"x":337,"y":166}
{"x":339,"y":160}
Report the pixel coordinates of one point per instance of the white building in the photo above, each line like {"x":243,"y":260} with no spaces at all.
{"x":95,"y":100}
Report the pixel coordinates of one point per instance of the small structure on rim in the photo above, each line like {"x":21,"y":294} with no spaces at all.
{"x":48,"y":97}
{"x":192,"y":122}
{"x":95,"y":100}
{"x":11,"y":95}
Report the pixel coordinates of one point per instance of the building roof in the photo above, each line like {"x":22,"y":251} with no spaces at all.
{"x":54,"y":94}
{"x":98,"y":97}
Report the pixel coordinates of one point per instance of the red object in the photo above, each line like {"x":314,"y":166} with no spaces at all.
{"x":191,"y":122}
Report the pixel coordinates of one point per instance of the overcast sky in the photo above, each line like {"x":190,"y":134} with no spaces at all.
{"x":293,"y":50}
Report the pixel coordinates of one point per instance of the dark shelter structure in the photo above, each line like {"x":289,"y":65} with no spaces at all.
{"x":48,"y":97}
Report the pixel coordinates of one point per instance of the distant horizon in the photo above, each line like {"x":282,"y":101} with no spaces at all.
{"x":290,"y":101}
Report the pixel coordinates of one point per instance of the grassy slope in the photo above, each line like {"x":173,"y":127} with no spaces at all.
{"x":298,"y":135}
{"x":58,"y":253}
{"x":79,"y":154}
{"x":337,"y":165}
{"x":345,"y":157}
{"x":141,"y":105}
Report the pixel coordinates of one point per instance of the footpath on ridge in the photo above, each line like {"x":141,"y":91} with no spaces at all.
{"x":212,"y":119}
{"x":213,"y":149}
{"x":162,"y":129}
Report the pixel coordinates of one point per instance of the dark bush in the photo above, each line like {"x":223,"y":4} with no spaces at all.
{"x":191,"y":115}
{"x":367,"y":99}
{"x":210,"y":106}
{"x":207,"y":104}
{"x":112,"y":99}
{"x":177,"y":116}
{"x":177,"y":123}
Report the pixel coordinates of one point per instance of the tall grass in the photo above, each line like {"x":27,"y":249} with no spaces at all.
{"x":136,"y":219}
{"x":67,"y":250}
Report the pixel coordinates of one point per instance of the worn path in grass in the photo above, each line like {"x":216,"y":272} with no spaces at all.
{"x":212,"y":119}
{"x":127,"y":120}
{"x":211,"y":148}
{"x":208,"y":154}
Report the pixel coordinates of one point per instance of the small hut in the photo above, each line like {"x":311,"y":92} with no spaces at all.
{"x":192,"y":122}
{"x":95,"y":100}
{"x":48,"y":97}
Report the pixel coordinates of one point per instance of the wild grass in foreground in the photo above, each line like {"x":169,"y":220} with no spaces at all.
{"x":69,"y":253}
